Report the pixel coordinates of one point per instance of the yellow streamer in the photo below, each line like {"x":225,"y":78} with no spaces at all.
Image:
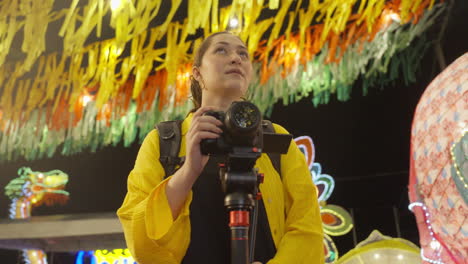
{"x":305,"y":20}
{"x":163,"y":28}
{"x":131,"y":25}
{"x":273,"y":4}
{"x":278,"y":21}
{"x":9,"y":25}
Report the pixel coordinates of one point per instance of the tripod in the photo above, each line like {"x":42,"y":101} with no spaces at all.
{"x":240,"y":182}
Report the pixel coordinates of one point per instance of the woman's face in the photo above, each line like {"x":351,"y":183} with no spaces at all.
{"x":226,"y":69}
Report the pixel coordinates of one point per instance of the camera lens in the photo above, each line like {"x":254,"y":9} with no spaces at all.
{"x":243,"y":118}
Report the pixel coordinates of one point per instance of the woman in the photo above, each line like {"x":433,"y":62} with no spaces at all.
{"x":180,"y":217}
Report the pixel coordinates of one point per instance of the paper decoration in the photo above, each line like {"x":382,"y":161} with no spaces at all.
{"x":126,"y":96}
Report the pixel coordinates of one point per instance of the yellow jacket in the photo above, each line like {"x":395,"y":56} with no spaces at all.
{"x":290,"y":202}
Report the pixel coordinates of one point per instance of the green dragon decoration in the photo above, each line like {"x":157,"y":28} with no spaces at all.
{"x":32,"y":189}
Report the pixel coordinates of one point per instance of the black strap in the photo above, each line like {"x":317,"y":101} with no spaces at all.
{"x":169,"y":145}
{"x":274,"y":157}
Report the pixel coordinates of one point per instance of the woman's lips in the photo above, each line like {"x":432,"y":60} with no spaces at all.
{"x":235,"y":72}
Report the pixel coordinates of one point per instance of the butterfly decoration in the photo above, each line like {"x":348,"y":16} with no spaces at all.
{"x":336,"y":220}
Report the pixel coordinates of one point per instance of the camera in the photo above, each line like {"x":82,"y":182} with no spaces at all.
{"x":241,"y":129}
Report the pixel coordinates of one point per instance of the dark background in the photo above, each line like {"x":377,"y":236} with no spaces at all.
{"x":362,"y":143}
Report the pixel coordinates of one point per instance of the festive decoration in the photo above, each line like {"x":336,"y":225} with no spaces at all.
{"x":435,"y":244}
{"x":116,"y":256}
{"x":93,"y":96}
{"x":438,"y":173}
{"x":30,"y":190}
{"x":336,"y":220}
{"x":380,"y":249}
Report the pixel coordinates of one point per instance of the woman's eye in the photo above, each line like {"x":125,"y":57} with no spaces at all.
{"x":244,"y":54}
{"x":220,"y":50}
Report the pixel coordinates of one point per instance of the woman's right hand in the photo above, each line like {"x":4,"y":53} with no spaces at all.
{"x":201,"y":127}
{"x":180,"y":184}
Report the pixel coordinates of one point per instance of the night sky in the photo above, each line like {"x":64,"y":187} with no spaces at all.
{"x":362,"y":143}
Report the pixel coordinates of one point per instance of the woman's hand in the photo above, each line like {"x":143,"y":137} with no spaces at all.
{"x":180,"y":184}
{"x":202,"y":127}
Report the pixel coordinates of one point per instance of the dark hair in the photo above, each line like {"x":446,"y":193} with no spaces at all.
{"x":195,"y":87}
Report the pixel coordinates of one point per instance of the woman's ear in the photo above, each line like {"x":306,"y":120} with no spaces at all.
{"x":196,"y":73}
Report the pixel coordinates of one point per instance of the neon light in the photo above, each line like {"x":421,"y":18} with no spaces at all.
{"x":115,"y":256}
{"x":79,"y":257}
{"x":306,"y":145}
{"x":28,"y":191}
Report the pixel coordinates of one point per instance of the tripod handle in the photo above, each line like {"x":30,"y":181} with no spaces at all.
{"x":239,"y":224}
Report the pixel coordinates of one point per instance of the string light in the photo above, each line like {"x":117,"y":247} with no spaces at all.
{"x":430,"y":260}
{"x":115,"y":4}
{"x":394,"y":16}
{"x":435,"y":244}
{"x":233,"y":22}
{"x":86,"y":99}
{"x":454,"y":161}
{"x":391,"y":16}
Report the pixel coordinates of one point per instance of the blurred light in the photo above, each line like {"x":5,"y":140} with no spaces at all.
{"x":292,"y":50}
{"x":233,"y":22}
{"x":79,"y":257}
{"x":463,"y":126}
{"x":435,"y":244}
{"x":40,"y":175}
{"x":400,"y":257}
{"x":395,"y":17}
{"x":390,"y":16}
{"x":376,"y":255}
{"x":117,"y":256}
{"x":430,"y":260}
{"x":115,"y":4}
{"x":86,"y":99}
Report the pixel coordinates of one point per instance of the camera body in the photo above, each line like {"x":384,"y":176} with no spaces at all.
{"x":241,"y":129}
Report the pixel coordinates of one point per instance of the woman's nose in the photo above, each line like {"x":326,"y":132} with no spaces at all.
{"x":235,"y":59}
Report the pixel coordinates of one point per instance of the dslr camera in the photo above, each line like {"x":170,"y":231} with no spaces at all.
{"x":243,"y":130}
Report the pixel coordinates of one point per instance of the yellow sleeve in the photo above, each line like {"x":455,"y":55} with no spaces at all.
{"x":150,"y":231}
{"x":303,"y":235}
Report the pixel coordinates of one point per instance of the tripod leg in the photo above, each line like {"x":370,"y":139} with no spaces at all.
{"x":239,"y":224}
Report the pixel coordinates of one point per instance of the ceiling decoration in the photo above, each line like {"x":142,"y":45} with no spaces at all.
{"x":84,"y":96}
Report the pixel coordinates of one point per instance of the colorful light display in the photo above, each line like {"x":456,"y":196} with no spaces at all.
{"x":32,"y":189}
{"x":116,"y":256}
{"x":336,"y":220}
